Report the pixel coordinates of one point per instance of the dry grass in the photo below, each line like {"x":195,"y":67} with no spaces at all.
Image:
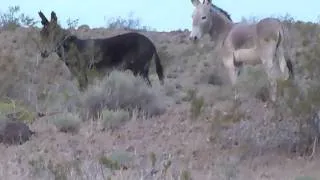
{"x":121,"y":129}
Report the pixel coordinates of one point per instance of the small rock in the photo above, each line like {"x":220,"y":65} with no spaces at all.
{"x":14,"y":132}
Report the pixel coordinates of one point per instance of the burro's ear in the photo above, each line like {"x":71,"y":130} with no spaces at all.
{"x":195,"y":2}
{"x":54,"y":18}
{"x":44,"y":20}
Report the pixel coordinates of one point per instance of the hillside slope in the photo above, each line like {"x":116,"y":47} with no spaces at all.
{"x":199,"y":128}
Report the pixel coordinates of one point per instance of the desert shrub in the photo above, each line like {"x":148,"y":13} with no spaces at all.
{"x":109,"y":163}
{"x":231,"y":116}
{"x":59,"y":98}
{"x":185,"y":175}
{"x":67,"y":122}
{"x":13,"y":74}
{"x":30,"y":81}
{"x":153,"y":159}
{"x":72,"y":24}
{"x":128,"y":23}
{"x":16,"y":110}
{"x":190,"y":94}
{"x":117,"y":160}
{"x":12,"y":19}
{"x":113,"y":119}
{"x":249,"y":19}
{"x":304,"y":178}
{"x":226,"y":114}
{"x":196,"y":106}
{"x":84,"y":27}
{"x":45,"y":168}
{"x":123,"y":90}
{"x":253,"y":82}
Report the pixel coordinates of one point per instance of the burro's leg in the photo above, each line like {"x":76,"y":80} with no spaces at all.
{"x":231,"y":69}
{"x":267,"y":50}
{"x":282,"y":62}
{"x":228,"y":62}
{"x":281,"y":59}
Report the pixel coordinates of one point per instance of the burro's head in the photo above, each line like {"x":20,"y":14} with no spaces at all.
{"x":201,"y":19}
{"x":51,"y":34}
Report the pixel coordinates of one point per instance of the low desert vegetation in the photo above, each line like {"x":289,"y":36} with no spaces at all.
{"x":12,"y":19}
{"x":196,"y":108}
{"x":113,"y":119}
{"x":121,"y":128}
{"x":67,"y":122}
{"x":128,"y":23}
{"x":121,"y":90}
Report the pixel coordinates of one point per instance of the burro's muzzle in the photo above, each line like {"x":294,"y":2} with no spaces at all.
{"x":195,"y":35}
{"x":194,"y":39}
{"x":44,"y":54}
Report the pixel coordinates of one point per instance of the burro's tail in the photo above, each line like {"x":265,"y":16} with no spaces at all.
{"x":281,"y":40}
{"x":159,"y":67}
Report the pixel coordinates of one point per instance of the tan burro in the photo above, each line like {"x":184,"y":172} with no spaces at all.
{"x":244,"y":43}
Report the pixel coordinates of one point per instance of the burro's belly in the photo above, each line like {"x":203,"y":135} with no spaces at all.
{"x":247,"y":56}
